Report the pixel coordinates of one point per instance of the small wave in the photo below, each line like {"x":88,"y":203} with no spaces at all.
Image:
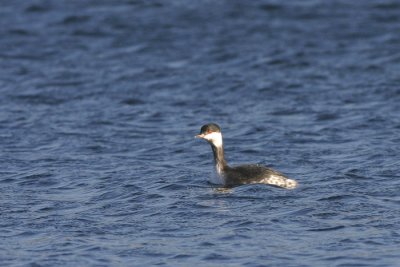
{"x":75,"y":19}
{"x":40,"y":99}
{"x":387,"y":6}
{"x":132,"y":101}
{"x":20,"y":32}
{"x":215,"y":256}
{"x":327,"y":229}
{"x":271,"y":7}
{"x":327,"y":116}
{"x":90,"y":33}
{"x":37,"y":9}
{"x":336,"y":197}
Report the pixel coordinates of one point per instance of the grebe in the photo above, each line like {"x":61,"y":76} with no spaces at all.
{"x":243,"y":174}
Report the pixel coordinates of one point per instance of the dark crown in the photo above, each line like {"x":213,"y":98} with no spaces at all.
{"x":211,"y":127}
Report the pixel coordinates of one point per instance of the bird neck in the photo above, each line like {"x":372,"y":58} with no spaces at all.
{"x":219,"y":159}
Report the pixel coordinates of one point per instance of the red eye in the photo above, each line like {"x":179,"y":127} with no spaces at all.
{"x":209,"y":131}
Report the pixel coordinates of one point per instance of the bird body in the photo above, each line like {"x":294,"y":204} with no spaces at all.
{"x":242,"y":174}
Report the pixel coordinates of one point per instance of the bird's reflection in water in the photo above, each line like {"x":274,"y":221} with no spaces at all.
{"x":223,"y":190}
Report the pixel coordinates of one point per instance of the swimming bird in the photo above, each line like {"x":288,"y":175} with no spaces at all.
{"x":243,"y":174}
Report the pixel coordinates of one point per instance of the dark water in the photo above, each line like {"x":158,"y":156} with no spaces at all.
{"x":100,"y":101}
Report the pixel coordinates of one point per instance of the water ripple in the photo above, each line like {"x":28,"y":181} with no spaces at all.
{"x":100,"y":103}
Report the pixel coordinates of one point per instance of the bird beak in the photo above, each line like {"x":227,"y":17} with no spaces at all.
{"x":199,"y":136}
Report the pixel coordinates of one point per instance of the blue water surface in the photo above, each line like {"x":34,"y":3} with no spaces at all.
{"x":100,"y":101}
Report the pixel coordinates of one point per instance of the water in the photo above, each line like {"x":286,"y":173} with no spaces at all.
{"x":100,"y":101}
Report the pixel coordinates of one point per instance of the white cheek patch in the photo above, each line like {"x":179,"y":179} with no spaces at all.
{"x":215,"y":138}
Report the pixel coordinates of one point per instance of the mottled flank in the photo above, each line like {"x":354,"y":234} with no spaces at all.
{"x":280,"y":181}
{"x":250,"y":174}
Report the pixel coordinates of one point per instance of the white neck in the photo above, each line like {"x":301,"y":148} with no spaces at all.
{"x":214,"y":138}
